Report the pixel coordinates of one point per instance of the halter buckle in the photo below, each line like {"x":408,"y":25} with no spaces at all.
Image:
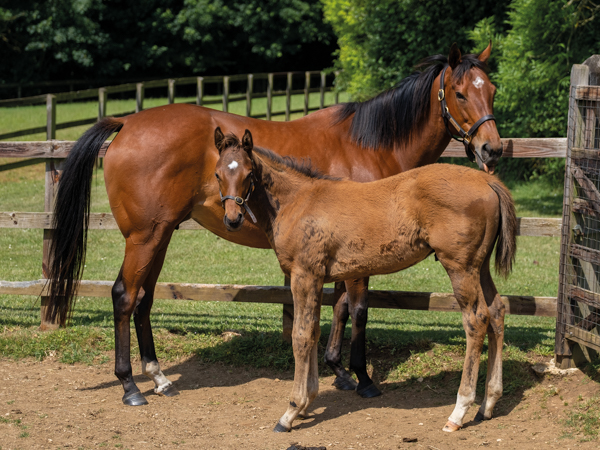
{"x":441,"y":95}
{"x":239,"y":200}
{"x":467,"y":138}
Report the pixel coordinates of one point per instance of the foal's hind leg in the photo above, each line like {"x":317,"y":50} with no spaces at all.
{"x":139,"y":258}
{"x":493,"y":384}
{"x":476,"y":319}
{"x":143,"y":328}
{"x":358,"y":303}
{"x":333,"y":352}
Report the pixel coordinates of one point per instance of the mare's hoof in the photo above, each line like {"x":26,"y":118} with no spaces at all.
{"x":280,"y":429}
{"x":480,"y":417}
{"x":369,"y":392}
{"x":345,"y":384}
{"x":169,"y":391}
{"x":451,"y":427}
{"x":135,"y":399}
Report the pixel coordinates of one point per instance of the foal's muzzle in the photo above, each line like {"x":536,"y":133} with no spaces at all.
{"x":233,"y":224}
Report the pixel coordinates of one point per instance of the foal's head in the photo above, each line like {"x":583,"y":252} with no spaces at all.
{"x":235,"y":177}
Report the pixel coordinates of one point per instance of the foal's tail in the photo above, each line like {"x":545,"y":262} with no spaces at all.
{"x":71,"y":219}
{"x":506,"y":246}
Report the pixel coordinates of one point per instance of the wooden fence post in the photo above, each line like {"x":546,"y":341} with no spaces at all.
{"x":102,"y":98}
{"x":306,"y":91}
{"x":50,"y":184}
{"x":337,"y":94}
{"x":171,"y":88}
{"x":288,"y":96}
{"x":199,"y":90}
{"x":288,"y":317}
{"x":50,"y":117}
{"x":322,"y":92}
{"x":225,"y":94}
{"x":139,"y":97}
{"x":563,"y":348}
{"x":269,"y":95}
{"x":249,"y":92}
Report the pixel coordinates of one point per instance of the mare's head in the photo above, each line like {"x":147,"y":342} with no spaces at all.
{"x":469,"y":96}
{"x":235,"y":177}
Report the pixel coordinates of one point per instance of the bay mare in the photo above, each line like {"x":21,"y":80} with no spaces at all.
{"x":159,"y":171}
{"x":325,"y":230}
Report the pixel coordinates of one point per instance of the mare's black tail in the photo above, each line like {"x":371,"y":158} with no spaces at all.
{"x":71,"y":219}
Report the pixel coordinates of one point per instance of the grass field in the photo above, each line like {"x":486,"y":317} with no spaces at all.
{"x":184,"y":328}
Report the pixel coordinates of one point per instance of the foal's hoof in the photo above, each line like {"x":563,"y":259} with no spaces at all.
{"x":345,"y":384}
{"x":451,"y":427}
{"x":480,"y":417}
{"x":135,"y":399}
{"x":369,"y":392}
{"x":169,"y":391}
{"x":280,"y":429}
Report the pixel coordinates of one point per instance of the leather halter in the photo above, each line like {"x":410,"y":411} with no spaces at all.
{"x":239,"y":200}
{"x":465,"y":136}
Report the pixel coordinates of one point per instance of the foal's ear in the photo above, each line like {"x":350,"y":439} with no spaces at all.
{"x":454,"y":57}
{"x":247,"y":142}
{"x":484,"y":55}
{"x":219,"y":136}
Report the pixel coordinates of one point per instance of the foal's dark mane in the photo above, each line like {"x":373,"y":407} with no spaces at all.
{"x":302,"y":166}
{"x":394,"y":115}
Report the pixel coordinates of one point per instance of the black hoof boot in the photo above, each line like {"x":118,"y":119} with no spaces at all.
{"x":345,"y":384}
{"x":134,"y":399}
{"x":169,"y":391}
{"x":280,"y":429}
{"x":479,"y":417}
{"x":369,"y":392}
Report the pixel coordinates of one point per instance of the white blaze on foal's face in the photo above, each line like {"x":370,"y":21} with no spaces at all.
{"x":233,"y":165}
{"x":478,"y":82}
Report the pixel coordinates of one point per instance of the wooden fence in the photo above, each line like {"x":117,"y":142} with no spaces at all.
{"x":52,"y":152}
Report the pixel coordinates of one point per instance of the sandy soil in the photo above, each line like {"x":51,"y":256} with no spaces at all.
{"x":53,"y":405}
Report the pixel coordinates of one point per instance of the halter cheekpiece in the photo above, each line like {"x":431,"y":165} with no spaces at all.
{"x":240,"y":201}
{"x":465,"y":136}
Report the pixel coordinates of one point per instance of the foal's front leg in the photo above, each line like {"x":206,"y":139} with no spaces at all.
{"x":307,"y":290}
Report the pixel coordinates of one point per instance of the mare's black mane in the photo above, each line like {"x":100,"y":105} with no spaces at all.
{"x":393,"y":116}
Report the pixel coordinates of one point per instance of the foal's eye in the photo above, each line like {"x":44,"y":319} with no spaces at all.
{"x":460,"y":96}
{"x":217,"y":175}
{"x":250,"y":175}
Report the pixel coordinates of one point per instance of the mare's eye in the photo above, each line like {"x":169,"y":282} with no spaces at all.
{"x":217,"y":175}
{"x":460,"y":96}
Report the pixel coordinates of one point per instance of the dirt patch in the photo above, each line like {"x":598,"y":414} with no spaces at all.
{"x":50,"y":405}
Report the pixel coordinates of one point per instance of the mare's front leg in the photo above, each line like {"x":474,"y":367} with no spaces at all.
{"x":476,"y":319}
{"x":358,"y":304}
{"x":333,"y":352}
{"x":307,"y":290}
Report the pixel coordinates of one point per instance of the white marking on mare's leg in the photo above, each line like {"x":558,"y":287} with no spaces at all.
{"x":478,"y":82}
{"x":233,"y":165}
{"x":152,"y":371}
{"x":460,"y":410}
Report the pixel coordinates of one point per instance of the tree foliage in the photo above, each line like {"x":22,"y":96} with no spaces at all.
{"x":60,"y":39}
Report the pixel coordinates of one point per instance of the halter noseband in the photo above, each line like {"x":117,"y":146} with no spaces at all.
{"x":240,"y":201}
{"x":465,"y":136}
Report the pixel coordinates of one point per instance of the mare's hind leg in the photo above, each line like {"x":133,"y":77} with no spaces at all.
{"x":476,"y":319}
{"x":493,"y":384}
{"x":333,"y":352}
{"x":358,"y":304}
{"x":139,"y":258}
{"x":143,"y":328}
{"x":307,"y":291}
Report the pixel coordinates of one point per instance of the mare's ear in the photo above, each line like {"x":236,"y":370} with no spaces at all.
{"x":219,"y":136}
{"x":484,"y":55}
{"x":247,"y":143}
{"x":454,"y":57}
